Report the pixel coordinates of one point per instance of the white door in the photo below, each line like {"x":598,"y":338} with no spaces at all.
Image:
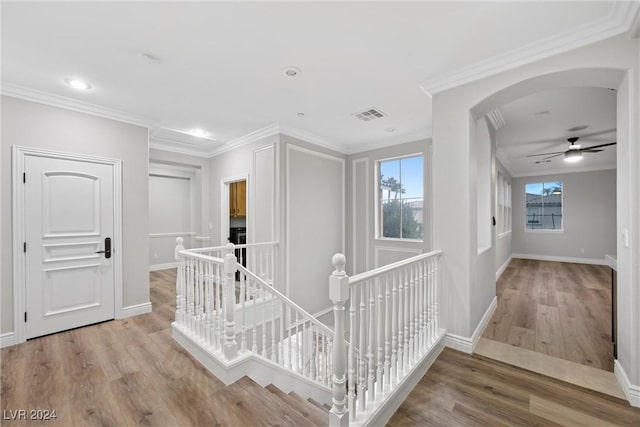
{"x":69,"y":214}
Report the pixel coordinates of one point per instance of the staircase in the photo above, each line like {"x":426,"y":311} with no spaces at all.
{"x":235,"y":321}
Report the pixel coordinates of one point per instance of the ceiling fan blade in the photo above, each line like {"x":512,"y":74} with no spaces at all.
{"x":591,"y":151}
{"x":546,"y":154}
{"x":555,"y":155}
{"x":598,"y":146}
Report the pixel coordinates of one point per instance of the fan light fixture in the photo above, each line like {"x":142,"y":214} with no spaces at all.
{"x":573,"y":156}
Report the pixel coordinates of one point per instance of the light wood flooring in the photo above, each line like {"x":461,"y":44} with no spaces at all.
{"x":555,"y":308}
{"x":130,"y":372}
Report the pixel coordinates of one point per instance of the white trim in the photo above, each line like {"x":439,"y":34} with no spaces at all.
{"x":468,"y":345}
{"x":342,"y":162}
{"x":224,"y":203}
{"x":503,"y":267}
{"x":322,"y":312}
{"x":617,"y":22}
{"x":632,"y":392}
{"x":403,"y":139}
{"x":7,"y":339}
{"x":40,"y":97}
{"x":558,"y":171}
{"x":174,"y":234}
{"x":594,"y":261}
{"x":17,"y":200}
{"x":157,"y":144}
{"x":254,"y":136}
{"x":311,"y":138}
{"x":377,"y":249}
{"x":252,"y":227}
{"x":166,"y":266}
{"x":134,"y":310}
{"x":355,"y":215}
{"x":496,"y":118}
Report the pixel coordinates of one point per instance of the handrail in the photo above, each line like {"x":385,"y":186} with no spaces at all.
{"x":236,"y":246}
{"x":283,"y":297}
{"x":191,"y":253}
{"x":357,"y":278}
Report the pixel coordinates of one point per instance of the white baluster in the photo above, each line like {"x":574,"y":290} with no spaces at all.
{"x":243,"y":296}
{"x":380,"y":338}
{"x":179,"y":281}
{"x":264,"y":321}
{"x":351,"y":366}
{"x":372,"y":343}
{"x":338,"y":293}
{"x":273,"y":329}
{"x":230,"y":268}
{"x":411,"y":309}
{"x":362,"y":379}
{"x":281,"y":341}
{"x":387,"y":333}
{"x":435,"y":295}
{"x":394,"y":329}
{"x":407,"y":313}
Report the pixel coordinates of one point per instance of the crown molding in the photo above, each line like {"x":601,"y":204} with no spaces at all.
{"x":496,"y":118}
{"x":165,"y":144}
{"x":256,"y":135}
{"x":413,"y":137}
{"x":312,"y":139}
{"x":40,"y":97}
{"x":504,"y":161}
{"x":619,"y":21}
{"x":562,"y":171}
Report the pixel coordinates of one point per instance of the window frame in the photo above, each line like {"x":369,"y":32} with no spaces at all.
{"x":378,"y":200}
{"x":504,"y":205}
{"x":544,"y":230}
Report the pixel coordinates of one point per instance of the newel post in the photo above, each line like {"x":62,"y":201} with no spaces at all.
{"x":229,"y":300}
{"x":179,"y":281}
{"x":339,"y":293}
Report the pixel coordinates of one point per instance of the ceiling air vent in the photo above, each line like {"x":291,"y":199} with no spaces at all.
{"x":369,"y":114}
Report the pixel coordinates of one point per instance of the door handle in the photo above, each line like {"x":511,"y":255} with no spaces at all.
{"x":107,"y":248}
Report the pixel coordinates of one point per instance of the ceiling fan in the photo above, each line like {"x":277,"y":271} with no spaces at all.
{"x":574,"y":153}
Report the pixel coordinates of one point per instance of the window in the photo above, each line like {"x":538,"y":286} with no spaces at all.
{"x":503,"y":197}
{"x":400,"y":198}
{"x":543,"y":206}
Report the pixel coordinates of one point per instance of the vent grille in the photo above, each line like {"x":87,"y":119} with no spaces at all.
{"x":369,"y":114}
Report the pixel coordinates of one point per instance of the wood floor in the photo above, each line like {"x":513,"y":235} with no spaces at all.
{"x":463,"y":390}
{"x":129,"y":372}
{"x":556,"y":308}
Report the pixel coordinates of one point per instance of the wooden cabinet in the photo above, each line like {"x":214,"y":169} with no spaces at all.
{"x":238,"y":199}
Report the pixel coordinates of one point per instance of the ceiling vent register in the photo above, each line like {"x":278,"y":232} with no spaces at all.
{"x":369,"y":114}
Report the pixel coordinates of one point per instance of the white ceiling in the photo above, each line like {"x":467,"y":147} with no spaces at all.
{"x":221,"y":64}
{"x":541,"y":123}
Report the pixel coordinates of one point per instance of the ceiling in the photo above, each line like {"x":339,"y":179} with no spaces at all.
{"x":220,"y":65}
{"x":542,"y":122}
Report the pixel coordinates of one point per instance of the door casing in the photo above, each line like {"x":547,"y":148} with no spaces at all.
{"x":19,"y":235}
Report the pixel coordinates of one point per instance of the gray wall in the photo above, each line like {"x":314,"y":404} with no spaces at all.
{"x":589,"y":217}
{"x":40,"y":126}
{"x":314,"y":219}
{"x":503,"y":242}
{"x":364,"y":251}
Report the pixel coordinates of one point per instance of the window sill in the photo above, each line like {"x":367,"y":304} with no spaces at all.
{"x":503,"y":235}
{"x":394,"y":239}
{"x":545,"y":231}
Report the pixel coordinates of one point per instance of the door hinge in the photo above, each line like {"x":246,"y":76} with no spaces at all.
{"x":25,"y":247}
{"x":25,"y":316}
{"x":24,"y":177}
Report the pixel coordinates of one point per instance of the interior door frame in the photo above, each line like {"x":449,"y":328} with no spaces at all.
{"x":224,"y":204}
{"x":18,"y":227}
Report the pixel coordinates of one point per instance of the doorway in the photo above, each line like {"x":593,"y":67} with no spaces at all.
{"x":67,"y":257}
{"x":234,"y":214}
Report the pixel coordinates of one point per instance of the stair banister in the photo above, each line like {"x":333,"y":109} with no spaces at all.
{"x":229,"y":298}
{"x":339,"y":293}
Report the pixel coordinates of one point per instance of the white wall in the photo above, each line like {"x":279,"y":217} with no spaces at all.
{"x":589,"y":217}
{"x":503,"y":241}
{"x":452,"y":157}
{"x":364,"y":251}
{"x":314,"y":230}
{"x":35,"y":125}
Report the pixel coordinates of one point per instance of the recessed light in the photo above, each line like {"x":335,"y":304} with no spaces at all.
{"x":78,"y":84}
{"x":300,"y":114}
{"x":577,"y":128}
{"x":390,"y":129}
{"x":291,"y":71}
{"x":200,"y":133}
{"x":542,"y":113}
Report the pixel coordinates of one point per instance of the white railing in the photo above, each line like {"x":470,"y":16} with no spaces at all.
{"x":231,"y":314}
{"x":392,"y":325}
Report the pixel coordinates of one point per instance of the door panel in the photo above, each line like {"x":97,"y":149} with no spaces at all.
{"x":68,"y":214}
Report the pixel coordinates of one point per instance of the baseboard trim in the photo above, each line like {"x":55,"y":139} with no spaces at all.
{"x":7,"y":339}
{"x":594,"y":261}
{"x":503,"y":267}
{"x":135,"y":310}
{"x":468,"y":345}
{"x":632,"y":392}
{"x":166,"y":266}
